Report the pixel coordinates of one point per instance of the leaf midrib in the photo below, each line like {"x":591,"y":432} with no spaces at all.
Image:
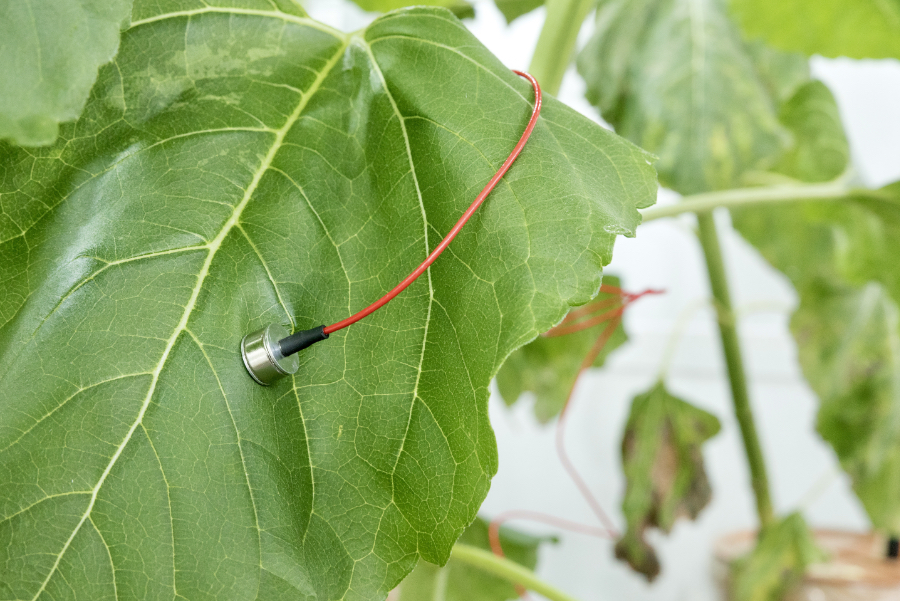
{"x":213,"y":248}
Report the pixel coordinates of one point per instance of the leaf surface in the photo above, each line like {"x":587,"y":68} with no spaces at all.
{"x":858,"y":29}
{"x":462,"y":582}
{"x":663,"y":464}
{"x":237,"y":165}
{"x":675,"y":77}
{"x":841,"y":257}
{"x":49,"y":55}
{"x":548,"y":367}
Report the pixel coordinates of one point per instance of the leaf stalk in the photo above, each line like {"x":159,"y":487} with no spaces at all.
{"x":556,"y":43}
{"x":707,"y":201}
{"x":508,"y":570}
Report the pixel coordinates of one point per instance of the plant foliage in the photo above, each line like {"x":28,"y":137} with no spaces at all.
{"x":777,"y":562}
{"x":237,"y":165}
{"x":549,"y":367}
{"x":663,"y":464}
{"x":49,"y":55}
{"x":675,"y":77}
{"x":513,"y":9}
{"x":841,"y":257}
{"x":457,"y":581}
{"x":858,"y":29}
{"x":461,"y":8}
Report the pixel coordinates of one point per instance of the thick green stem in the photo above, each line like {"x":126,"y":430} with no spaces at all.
{"x":731,"y":348}
{"x":557,"y":41}
{"x":508,"y":570}
{"x":700,"y":203}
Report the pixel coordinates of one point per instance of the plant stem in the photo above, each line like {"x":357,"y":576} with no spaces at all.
{"x":709,"y":240}
{"x":557,"y":41}
{"x":506,"y":569}
{"x":700,"y":203}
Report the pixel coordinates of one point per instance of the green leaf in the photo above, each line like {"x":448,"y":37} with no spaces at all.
{"x":458,"y":581}
{"x":782,"y":73}
{"x":777,"y":563}
{"x":820,"y":151}
{"x":49,"y":55}
{"x":461,"y":8}
{"x":841,"y":257}
{"x":237,"y":166}
{"x":513,"y":9}
{"x":663,"y":463}
{"x":675,"y":77}
{"x":548,"y":367}
{"x":858,"y":29}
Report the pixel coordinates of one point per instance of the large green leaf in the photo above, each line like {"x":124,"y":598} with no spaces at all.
{"x":858,"y":29}
{"x":237,"y":165}
{"x":841,"y":256}
{"x":49,"y":54}
{"x":663,"y":463}
{"x":458,"y":581}
{"x":675,"y":77}
{"x":548,"y":367}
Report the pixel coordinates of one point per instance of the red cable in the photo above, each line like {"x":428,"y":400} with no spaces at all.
{"x":459,"y":224}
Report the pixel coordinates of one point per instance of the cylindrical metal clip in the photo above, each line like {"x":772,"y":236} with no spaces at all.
{"x":262,"y":355}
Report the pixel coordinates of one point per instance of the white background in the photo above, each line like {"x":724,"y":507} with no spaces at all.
{"x":665,"y":254}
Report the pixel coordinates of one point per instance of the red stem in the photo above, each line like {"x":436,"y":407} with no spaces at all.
{"x":590,"y":309}
{"x":584,"y":325}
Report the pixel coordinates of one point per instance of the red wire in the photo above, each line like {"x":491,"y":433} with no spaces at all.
{"x":459,"y":224}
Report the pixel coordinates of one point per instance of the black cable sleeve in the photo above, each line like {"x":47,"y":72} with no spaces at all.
{"x":300,"y":340}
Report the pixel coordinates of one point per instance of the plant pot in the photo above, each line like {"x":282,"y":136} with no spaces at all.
{"x":856,"y":570}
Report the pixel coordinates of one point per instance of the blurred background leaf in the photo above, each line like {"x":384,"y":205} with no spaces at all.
{"x":819,"y":151}
{"x":548,"y":367}
{"x":842,"y":258}
{"x":513,"y":9}
{"x":461,"y":8}
{"x":675,"y":77}
{"x":457,"y":581}
{"x":855,"y":28}
{"x":50,"y":51}
{"x":663,"y":464}
{"x":777,"y":563}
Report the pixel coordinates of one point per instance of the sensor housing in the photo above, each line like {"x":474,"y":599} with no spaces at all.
{"x":261,"y":352}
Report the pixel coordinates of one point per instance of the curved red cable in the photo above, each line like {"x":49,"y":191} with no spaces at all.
{"x":459,"y":224}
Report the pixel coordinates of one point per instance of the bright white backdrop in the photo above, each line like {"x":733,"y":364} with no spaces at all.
{"x":666,"y":255}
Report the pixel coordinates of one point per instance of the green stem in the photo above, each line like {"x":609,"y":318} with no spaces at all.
{"x":507,"y":570}
{"x":709,"y":240}
{"x":557,"y":41}
{"x":700,"y":203}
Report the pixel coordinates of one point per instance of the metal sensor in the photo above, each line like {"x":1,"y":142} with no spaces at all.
{"x":261,"y":351}
{"x":270,"y":354}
